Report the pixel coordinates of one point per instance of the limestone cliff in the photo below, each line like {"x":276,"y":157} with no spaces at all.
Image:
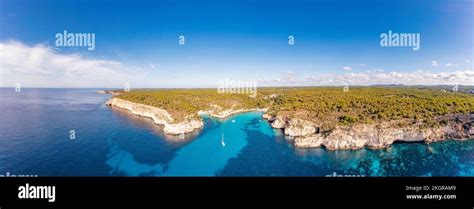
{"x":159,"y":116}
{"x":162,"y":117}
{"x":306,"y":134}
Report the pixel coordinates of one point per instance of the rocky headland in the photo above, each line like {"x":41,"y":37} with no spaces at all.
{"x":162,"y":117}
{"x":306,"y":134}
{"x":159,"y":116}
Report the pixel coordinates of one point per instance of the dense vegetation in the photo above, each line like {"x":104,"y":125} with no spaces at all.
{"x":323,"y":105}
{"x":184,"y":102}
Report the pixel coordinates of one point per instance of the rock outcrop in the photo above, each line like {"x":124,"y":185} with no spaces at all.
{"x":278,"y":122}
{"x":298,"y":127}
{"x":159,"y":116}
{"x":305,"y":133}
{"x":183,"y":127}
{"x":267,"y":117}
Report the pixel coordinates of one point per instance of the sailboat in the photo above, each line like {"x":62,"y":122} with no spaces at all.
{"x":222,"y":140}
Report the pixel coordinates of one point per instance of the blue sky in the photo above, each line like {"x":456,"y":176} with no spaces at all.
{"x":335,"y":42}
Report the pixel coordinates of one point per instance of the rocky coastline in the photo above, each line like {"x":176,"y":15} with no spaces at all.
{"x":159,"y":116}
{"x":162,"y":117}
{"x":307,"y":134}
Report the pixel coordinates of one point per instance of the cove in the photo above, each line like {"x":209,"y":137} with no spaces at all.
{"x":204,"y":156}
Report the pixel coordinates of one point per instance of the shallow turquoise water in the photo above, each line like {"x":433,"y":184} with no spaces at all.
{"x":34,"y":139}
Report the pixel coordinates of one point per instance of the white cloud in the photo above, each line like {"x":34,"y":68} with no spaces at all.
{"x":347,"y":68}
{"x":451,"y":64}
{"x":42,"y":66}
{"x":375,"y":71}
{"x":290,"y":77}
{"x":153,"y":66}
{"x":419,"y":77}
{"x":434,"y":63}
{"x":286,"y":78}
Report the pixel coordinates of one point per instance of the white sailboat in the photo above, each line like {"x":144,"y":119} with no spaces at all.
{"x":222,"y":140}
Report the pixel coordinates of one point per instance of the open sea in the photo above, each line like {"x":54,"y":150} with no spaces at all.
{"x":36,"y":127}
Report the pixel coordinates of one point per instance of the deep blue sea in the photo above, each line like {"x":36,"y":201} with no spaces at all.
{"x":36,"y":124}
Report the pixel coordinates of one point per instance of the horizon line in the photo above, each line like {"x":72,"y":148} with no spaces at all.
{"x":212,"y":87}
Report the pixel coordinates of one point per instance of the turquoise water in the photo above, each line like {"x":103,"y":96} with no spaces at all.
{"x":35,"y":127}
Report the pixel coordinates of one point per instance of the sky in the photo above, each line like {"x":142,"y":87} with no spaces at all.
{"x":137,"y":42}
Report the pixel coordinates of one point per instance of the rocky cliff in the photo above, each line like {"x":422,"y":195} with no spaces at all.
{"x":159,"y":116}
{"x":162,"y":117}
{"x":306,"y":134}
